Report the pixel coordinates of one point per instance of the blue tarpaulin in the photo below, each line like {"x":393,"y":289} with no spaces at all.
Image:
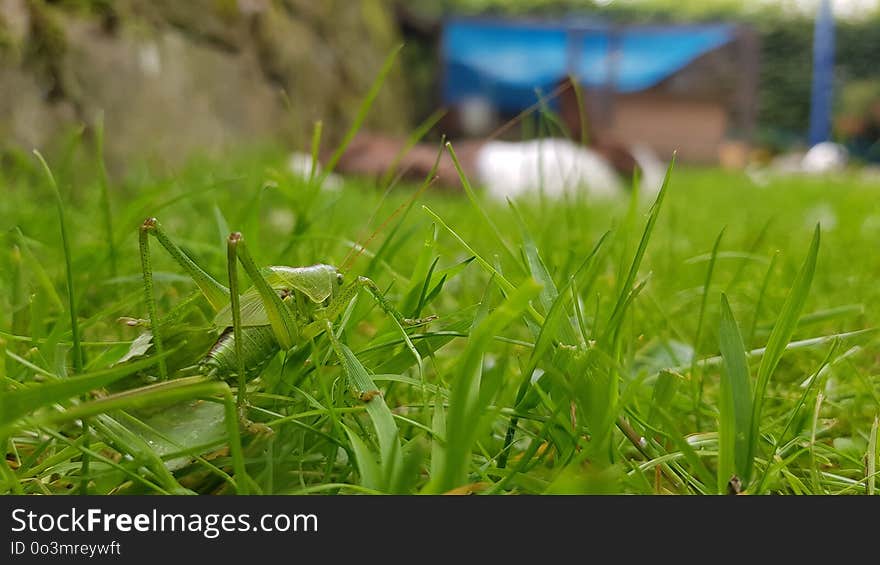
{"x":508,"y":61}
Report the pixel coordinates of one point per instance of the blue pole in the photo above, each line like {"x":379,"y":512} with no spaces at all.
{"x":823,"y":74}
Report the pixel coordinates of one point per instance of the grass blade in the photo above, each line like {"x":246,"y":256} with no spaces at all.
{"x":735,"y":402}
{"x":504,"y":284}
{"x":105,"y":193}
{"x":362,"y":112}
{"x":475,"y":202}
{"x":371,"y":475}
{"x":624,"y":292}
{"x":18,"y":403}
{"x":465,"y":409}
{"x":872,"y":455}
{"x":778,"y":341}
{"x":698,"y":378}
{"x":380,"y":414}
{"x":65,"y":241}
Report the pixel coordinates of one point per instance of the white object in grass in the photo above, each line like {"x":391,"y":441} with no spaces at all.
{"x":300,"y":164}
{"x":554,"y":166}
{"x":825,"y":157}
{"x":652,"y":170}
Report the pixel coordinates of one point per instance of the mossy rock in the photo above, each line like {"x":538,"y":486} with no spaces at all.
{"x":176,"y":78}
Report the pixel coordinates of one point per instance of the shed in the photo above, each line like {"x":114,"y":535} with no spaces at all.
{"x":670,"y":87}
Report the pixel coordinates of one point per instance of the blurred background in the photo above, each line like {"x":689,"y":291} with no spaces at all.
{"x":729,"y":83}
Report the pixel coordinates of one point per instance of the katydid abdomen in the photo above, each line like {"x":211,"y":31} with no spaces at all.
{"x":258,"y":346}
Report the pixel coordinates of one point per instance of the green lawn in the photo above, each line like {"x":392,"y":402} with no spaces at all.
{"x":587,"y":383}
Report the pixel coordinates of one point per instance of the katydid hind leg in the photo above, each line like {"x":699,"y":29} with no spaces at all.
{"x":232,"y":257}
{"x":232,"y":269}
{"x":283,"y":324}
{"x":150,"y":295}
{"x":216,"y":294}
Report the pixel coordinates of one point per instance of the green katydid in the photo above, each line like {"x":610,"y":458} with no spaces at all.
{"x":286,"y":307}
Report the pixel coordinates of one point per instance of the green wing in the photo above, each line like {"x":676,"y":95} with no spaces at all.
{"x":253,"y":313}
{"x":315,"y":281}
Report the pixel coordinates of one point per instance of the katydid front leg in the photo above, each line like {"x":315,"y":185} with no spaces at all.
{"x":335,"y":309}
{"x":372,"y":289}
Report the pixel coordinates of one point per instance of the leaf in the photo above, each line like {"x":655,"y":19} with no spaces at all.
{"x":138,"y":348}
{"x":664,"y":391}
{"x":735,"y":402}
{"x":625,"y":292}
{"x":383,"y":421}
{"x":190,"y":427}
{"x":16,"y":404}
{"x":362,"y":112}
{"x":778,"y":341}
{"x":872,"y":456}
{"x":371,"y":475}
{"x":133,"y":445}
{"x":464,"y":400}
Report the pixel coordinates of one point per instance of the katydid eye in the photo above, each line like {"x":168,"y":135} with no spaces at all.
{"x":339,"y":279}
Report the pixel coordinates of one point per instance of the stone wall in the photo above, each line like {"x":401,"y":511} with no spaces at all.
{"x":177,"y":77}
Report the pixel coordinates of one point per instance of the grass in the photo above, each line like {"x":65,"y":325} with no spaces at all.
{"x":579,"y":345}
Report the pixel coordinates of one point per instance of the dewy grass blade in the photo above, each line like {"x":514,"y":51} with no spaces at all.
{"x":735,"y":401}
{"x":778,"y":341}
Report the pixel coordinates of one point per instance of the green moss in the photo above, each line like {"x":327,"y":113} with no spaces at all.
{"x":7,"y":43}
{"x":47,"y":39}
